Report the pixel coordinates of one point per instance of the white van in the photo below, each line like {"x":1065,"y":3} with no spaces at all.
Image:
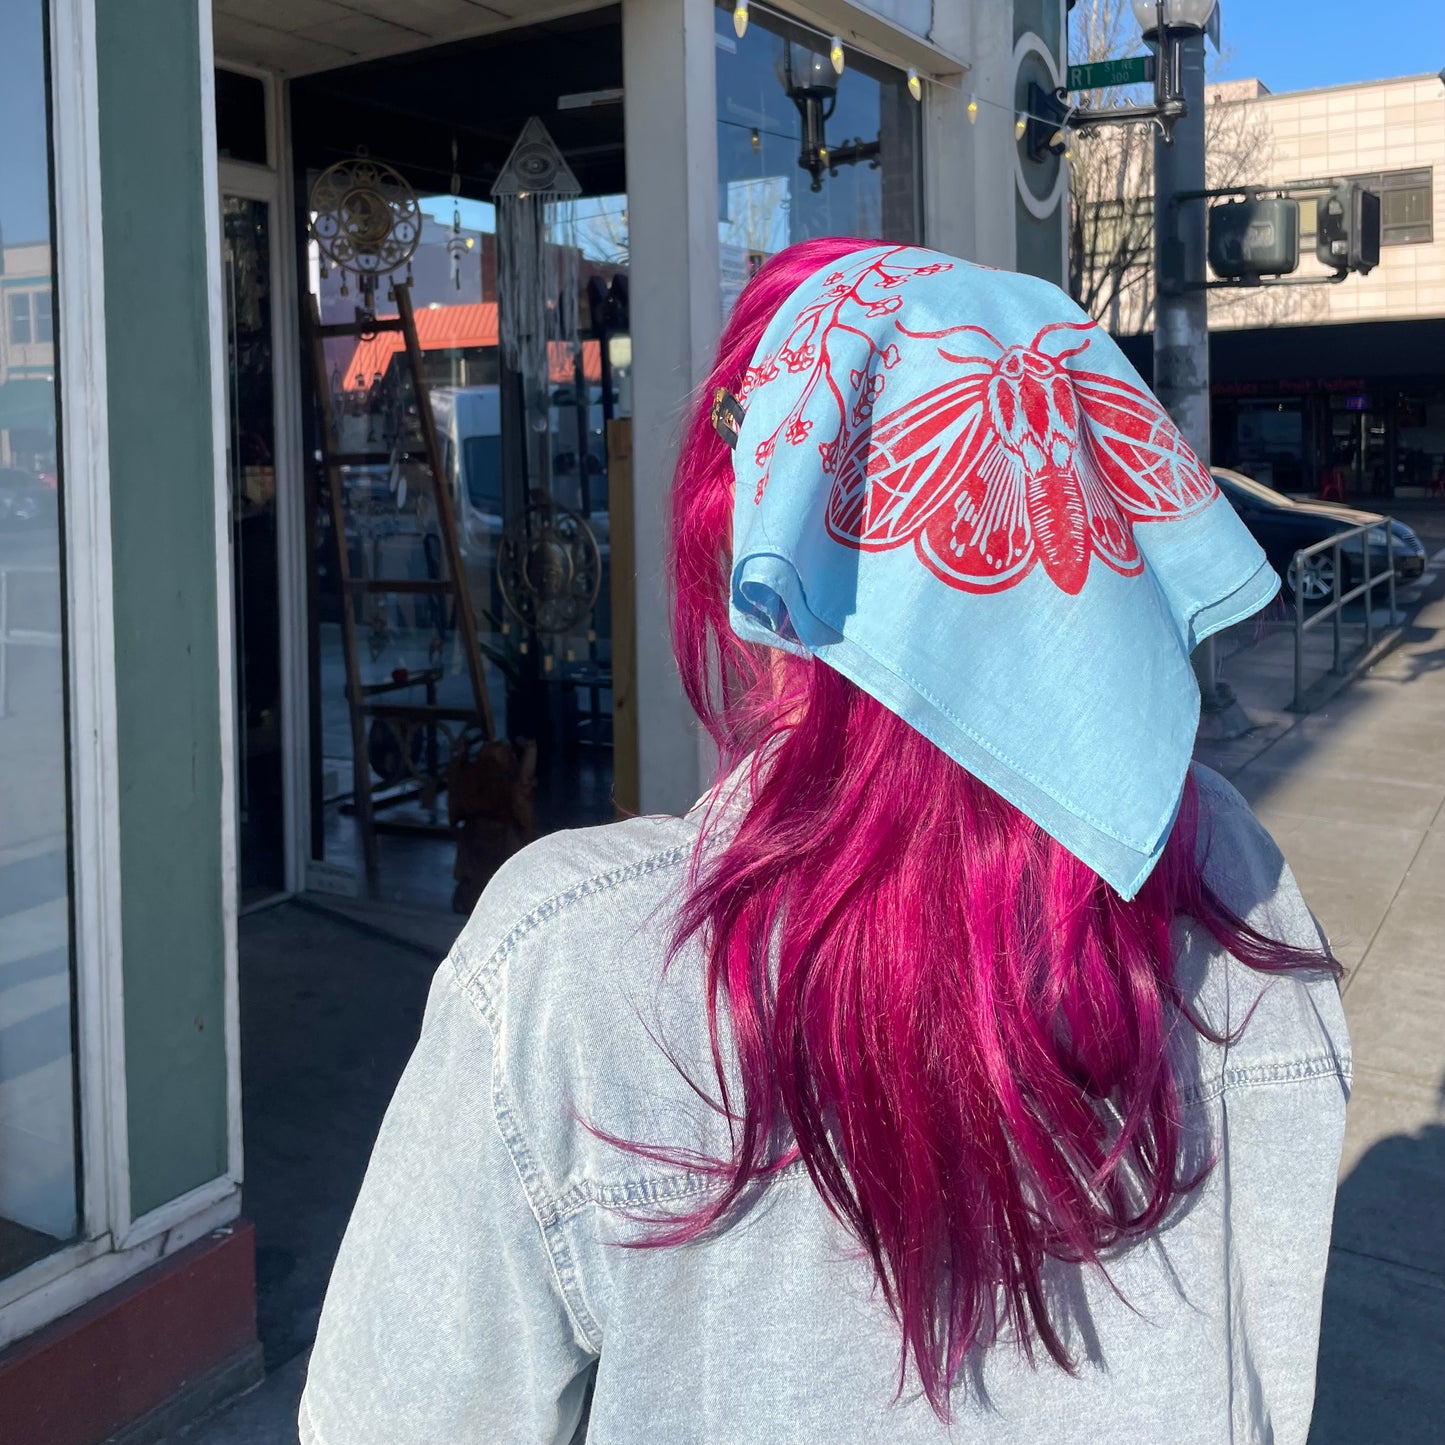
{"x":469,"y":428}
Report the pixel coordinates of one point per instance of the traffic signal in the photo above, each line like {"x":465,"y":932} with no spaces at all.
{"x":1347,"y":231}
{"x":1254,"y":238}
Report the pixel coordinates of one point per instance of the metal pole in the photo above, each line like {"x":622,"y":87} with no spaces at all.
{"x":1181,"y":309}
{"x":1336,"y":609}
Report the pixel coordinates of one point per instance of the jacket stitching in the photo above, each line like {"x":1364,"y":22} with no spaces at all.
{"x":477,"y":986}
{"x":477,"y":982}
{"x":1248,"y":1076}
{"x":559,"y":1254}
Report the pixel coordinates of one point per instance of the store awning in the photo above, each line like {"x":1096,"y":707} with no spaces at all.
{"x":27,"y":403}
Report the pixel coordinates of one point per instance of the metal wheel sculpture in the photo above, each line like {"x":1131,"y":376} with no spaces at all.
{"x":549,"y":568}
{"x":367,"y":221}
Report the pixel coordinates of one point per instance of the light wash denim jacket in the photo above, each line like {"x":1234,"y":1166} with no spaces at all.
{"x":480,"y":1294}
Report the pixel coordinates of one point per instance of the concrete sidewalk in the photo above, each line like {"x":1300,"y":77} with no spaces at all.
{"x":1355,"y":795}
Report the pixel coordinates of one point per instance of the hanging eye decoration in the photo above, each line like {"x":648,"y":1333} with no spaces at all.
{"x":366,"y":221}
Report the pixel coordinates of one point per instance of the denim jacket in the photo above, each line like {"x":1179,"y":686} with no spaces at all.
{"x":481,"y":1294}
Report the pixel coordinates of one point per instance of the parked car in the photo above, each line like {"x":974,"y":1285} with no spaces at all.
{"x":1282,"y":525}
{"x":24,"y":498}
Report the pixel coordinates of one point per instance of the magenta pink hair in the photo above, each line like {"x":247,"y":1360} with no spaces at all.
{"x":962,"y":1032}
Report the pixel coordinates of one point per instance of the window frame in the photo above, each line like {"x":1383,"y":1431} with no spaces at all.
{"x":42,"y":316}
{"x":1385,"y":184}
{"x":20,"y":311}
{"x":61,"y":1280}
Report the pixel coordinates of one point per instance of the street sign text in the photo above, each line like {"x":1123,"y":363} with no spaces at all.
{"x":1105,"y":74}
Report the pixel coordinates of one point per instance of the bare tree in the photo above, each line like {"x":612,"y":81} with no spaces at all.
{"x":602,"y":230}
{"x":1111,"y":231}
{"x":757,"y":218}
{"x":1111,"y":191}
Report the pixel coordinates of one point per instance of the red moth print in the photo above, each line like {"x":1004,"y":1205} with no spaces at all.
{"x":1016,"y":461}
{"x":853,"y":293}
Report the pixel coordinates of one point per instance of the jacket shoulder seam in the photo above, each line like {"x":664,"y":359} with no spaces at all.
{"x":473,"y":979}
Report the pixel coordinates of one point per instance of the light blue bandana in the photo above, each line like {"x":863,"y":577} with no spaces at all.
{"x":954,"y":489}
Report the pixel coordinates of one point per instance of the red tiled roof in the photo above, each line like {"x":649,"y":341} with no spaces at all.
{"x":465,"y":326}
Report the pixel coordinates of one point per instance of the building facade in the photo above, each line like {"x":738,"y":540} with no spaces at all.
{"x":1329,"y":387}
{"x":175,"y":744}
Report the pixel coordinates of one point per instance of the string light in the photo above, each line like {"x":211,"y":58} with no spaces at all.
{"x":838,"y":58}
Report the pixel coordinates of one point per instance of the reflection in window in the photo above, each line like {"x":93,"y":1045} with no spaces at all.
{"x":391,"y":529}
{"x":38,"y":1177}
{"x":19,"y":318}
{"x":803,"y":151}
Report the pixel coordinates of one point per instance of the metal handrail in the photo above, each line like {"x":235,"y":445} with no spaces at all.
{"x":1331,"y":611}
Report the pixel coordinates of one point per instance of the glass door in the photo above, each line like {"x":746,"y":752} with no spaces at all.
{"x":39,"y":1150}
{"x":246,"y":278}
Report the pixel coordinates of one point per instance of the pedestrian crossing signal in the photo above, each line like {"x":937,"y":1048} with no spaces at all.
{"x":1347,"y":232}
{"x":1253,"y":238}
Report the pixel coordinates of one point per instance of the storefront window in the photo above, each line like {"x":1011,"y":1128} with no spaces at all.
{"x":803,"y":151}
{"x":38,"y":1190}
{"x":538,"y":473}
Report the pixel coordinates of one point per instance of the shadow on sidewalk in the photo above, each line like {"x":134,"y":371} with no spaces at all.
{"x":330,"y":1012}
{"x":1380,"y":1375}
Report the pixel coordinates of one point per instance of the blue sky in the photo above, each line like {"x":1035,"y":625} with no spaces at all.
{"x":1298,"y":44}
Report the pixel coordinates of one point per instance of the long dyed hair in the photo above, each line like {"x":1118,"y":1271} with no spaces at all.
{"x":956,"y":1026}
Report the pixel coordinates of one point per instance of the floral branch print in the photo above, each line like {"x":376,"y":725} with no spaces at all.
{"x":848,"y":291}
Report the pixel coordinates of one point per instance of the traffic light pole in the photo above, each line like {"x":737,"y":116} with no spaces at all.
{"x":1181,"y":315}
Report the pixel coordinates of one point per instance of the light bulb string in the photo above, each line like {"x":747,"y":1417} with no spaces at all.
{"x":833,"y":41}
{"x":747,"y":7}
{"x":1022,"y":112}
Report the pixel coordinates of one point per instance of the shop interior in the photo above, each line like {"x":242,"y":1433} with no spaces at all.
{"x":482,"y":613}
{"x":473,"y":602}
{"x":1340,"y":439}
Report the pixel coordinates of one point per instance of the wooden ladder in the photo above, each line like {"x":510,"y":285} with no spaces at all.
{"x":368,"y":701}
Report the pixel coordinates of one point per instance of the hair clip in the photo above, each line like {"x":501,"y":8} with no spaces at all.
{"x":727,"y":415}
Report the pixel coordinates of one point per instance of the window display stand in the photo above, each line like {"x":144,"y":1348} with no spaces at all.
{"x":369,"y":702}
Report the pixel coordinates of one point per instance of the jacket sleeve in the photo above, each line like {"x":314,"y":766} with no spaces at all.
{"x":1287,"y":1081}
{"x":445,"y":1322}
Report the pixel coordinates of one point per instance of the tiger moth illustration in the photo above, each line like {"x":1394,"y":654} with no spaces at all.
{"x":1018,"y":460}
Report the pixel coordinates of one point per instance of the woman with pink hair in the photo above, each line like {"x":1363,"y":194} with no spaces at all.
{"x":965,"y":1065}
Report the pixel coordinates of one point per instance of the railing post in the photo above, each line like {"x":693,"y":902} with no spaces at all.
{"x":1390,"y":557}
{"x":1299,"y":633}
{"x":1335,"y":611}
{"x":1369,"y":594}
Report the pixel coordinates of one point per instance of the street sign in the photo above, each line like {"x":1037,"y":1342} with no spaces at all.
{"x":1105,"y":74}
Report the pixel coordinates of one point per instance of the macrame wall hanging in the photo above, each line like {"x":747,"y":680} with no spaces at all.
{"x":535,"y":196}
